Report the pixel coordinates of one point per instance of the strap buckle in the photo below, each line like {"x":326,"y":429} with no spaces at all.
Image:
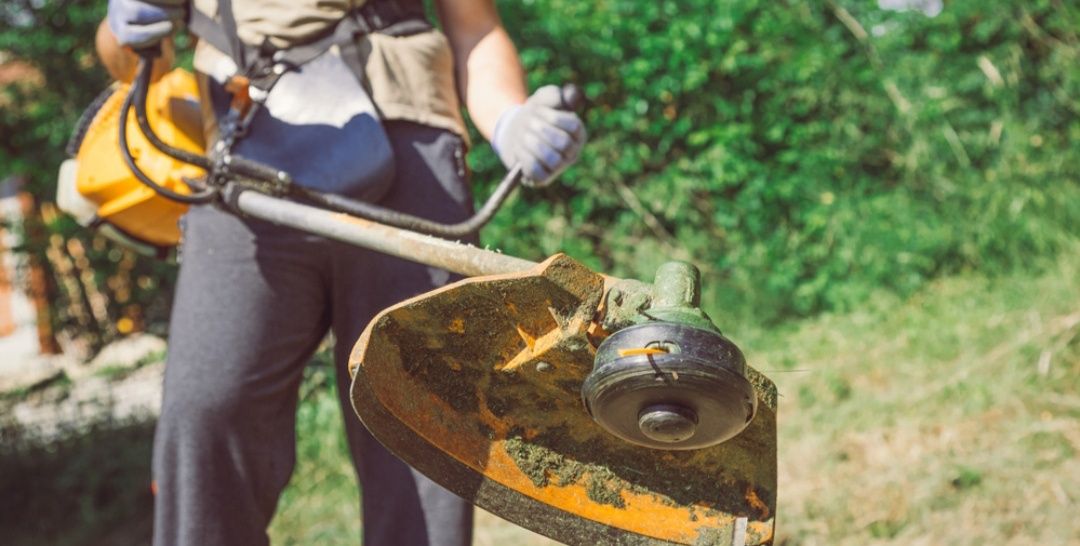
{"x":377,"y":15}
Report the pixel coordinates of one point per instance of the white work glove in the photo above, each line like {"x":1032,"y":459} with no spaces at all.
{"x":540,"y":135}
{"x":138,"y":23}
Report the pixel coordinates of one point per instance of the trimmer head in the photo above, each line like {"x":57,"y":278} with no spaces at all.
{"x":479,"y":386}
{"x":667,"y":385}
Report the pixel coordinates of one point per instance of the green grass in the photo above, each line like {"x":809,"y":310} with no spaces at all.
{"x":952,"y":417}
{"x":322,"y":503}
{"x":921,"y":421}
{"x":117,"y":372}
{"x":949,"y":418}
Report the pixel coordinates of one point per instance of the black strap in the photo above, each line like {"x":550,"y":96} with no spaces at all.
{"x":228,"y":23}
{"x":208,"y":30}
{"x":264,"y":65}
{"x":390,"y":17}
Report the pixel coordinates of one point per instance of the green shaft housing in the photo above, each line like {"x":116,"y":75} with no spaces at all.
{"x":674,"y":296}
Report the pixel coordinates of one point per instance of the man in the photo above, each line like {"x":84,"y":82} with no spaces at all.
{"x":254,"y":300}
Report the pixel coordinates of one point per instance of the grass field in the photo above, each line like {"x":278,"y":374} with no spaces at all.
{"x":952,"y":417}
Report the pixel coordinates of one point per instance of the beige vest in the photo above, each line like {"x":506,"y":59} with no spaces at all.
{"x":411,"y":77}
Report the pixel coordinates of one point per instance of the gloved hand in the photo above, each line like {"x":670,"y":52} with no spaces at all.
{"x":139,"y":23}
{"x":540,"y":136}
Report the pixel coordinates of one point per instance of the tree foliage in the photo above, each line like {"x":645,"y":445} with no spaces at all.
{"x":803,"y":153}
{"x":99,"y":289}
{"x":807,"y":153}
{"x":56,"y":38}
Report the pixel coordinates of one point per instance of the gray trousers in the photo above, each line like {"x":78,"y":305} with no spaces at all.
{"x":253,"y":301}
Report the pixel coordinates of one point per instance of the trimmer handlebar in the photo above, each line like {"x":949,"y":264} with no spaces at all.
{"x":237,"y":167}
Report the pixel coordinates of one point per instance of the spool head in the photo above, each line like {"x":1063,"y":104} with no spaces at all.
{"x":669,"y":379}
{"x":667,"y":385}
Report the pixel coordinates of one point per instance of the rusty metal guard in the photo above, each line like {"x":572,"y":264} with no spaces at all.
{"x":477,"y":385}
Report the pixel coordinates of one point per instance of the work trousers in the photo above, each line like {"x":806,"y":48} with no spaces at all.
{"x":253,"y":301}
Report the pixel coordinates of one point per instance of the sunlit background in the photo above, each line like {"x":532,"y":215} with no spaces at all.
{"x":883,"y":197}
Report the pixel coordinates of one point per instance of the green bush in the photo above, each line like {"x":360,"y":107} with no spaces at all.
{"x":802,"y":153}
{"x":107,"y":290}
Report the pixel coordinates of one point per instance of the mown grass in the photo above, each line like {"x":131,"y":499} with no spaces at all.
{"x":952,"y":417}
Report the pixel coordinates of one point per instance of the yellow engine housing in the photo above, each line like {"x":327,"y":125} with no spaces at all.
{"x":102,"y":178}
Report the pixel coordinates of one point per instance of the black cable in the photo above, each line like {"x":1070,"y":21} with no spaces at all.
{"x":142,"y":87}
{"x":403,"y":220}
{"x":244,"y":167}
{"x":205,"y":196}
{"x":265,"y":173}
{"x":572,"y":99}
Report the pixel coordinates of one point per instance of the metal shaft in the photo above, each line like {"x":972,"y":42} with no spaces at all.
{"x":455,"y":257}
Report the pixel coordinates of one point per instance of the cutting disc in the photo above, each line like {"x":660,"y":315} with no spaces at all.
{"x":478,"y":386}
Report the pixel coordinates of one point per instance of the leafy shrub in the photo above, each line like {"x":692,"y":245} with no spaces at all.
{"x":802,"y":153}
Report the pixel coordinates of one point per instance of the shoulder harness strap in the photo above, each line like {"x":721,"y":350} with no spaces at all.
{"x":262,"y":65}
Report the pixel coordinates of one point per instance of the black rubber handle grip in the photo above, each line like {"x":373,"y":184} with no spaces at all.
{"x":572,"y":98}
{"x":149,"y":52}
{"x":254,"y":169}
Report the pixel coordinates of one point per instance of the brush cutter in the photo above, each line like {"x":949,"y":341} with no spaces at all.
{"x":591,"y":409}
